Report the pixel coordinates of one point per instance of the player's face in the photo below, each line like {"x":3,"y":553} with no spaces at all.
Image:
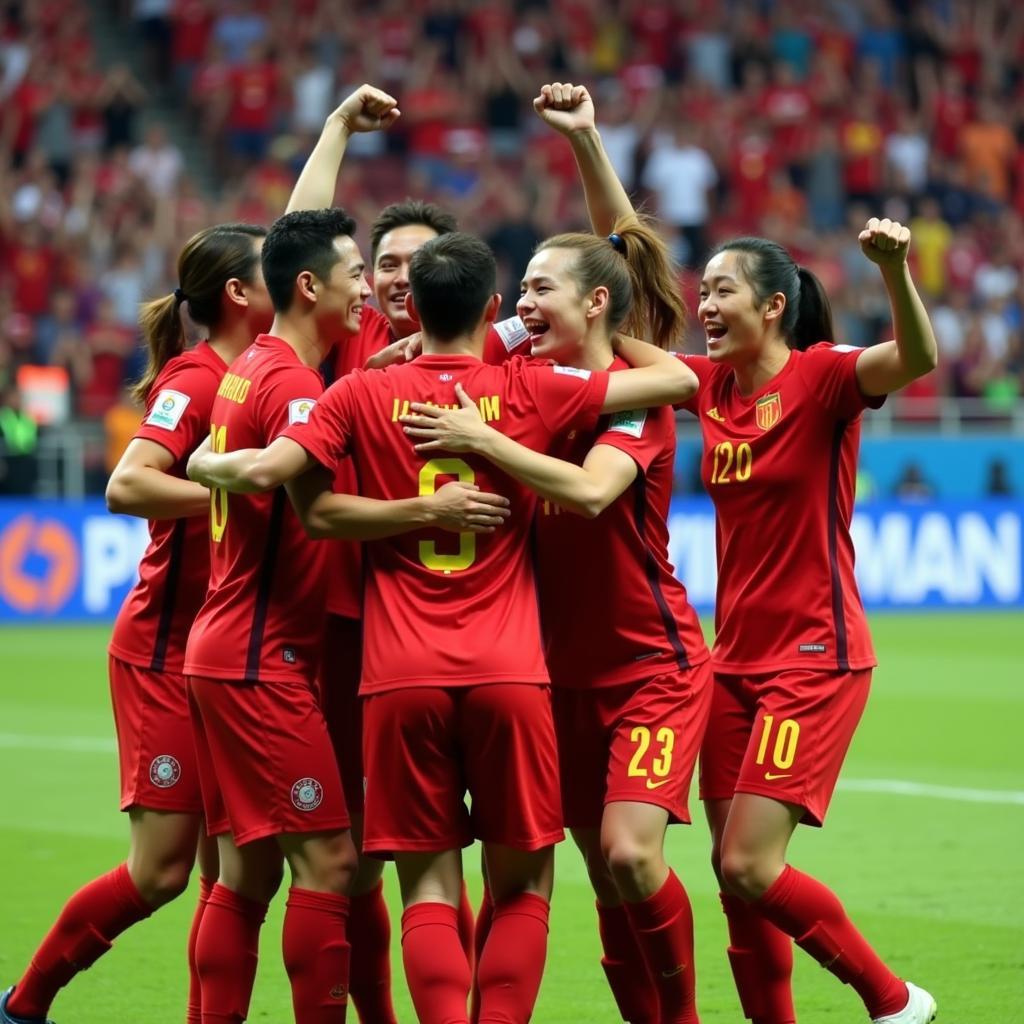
{"x":552,"y":307}
{"x":340,"y":304}
{"x":391,"y":274}
{"x":732,"y":318}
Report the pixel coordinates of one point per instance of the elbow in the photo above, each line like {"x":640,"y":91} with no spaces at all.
{"x":259,"y":478}
{"x":685,"y":384}
{"x":316,"y":528}
{"x":589,"y":504}
{"x":116,"y":498}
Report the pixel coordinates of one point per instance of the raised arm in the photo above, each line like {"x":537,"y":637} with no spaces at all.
{"x":141,"y":485}
{"x":892,"y":365}
{"x":586,"y":490}
{"x":249,"y":470}
{"x":458,"y":507}
{"x":657,"y":378}
{"x":569,"y":109}
{"x":368,"y":109}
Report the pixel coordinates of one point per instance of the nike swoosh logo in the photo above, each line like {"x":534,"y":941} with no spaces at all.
{"x":655,"y":785}
{"x":673,"y":973}
{"x":771,"y":776}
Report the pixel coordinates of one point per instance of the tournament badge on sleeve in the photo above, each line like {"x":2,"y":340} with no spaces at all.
{"x":768,"y":410}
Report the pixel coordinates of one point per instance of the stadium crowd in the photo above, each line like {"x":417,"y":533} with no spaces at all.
{"x":781,"y":118}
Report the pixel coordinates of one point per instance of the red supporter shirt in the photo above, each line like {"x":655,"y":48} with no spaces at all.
{"x":612,"y":610}
{"x":152,"y":627}
{"x":345,"y":590}
{"x":780,"y":466}
{"x":445,"y":609}
{"x":263,"y":618}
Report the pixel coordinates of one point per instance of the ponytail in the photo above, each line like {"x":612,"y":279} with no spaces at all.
{"x":160,"y":320}
{"x":209,"y":259}
{"x":658,"y":313}
{"x":770,"y":269}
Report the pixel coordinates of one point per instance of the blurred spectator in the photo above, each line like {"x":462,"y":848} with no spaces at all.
{"x":157,"y":162}
{"x":998,"y":483}
{"x":912,"y":484}
{"x":120,"y":422}
{"x":19,"y":437}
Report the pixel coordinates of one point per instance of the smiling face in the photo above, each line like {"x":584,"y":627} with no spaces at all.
{"x":555,"y":312}
{"x":736,"y":324}
{"x":340,"y":298}
{"x":391,"y":274}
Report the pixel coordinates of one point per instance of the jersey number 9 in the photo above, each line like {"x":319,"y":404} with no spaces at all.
{"x":429,"y":555}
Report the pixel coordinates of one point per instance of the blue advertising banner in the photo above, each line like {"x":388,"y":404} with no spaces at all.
{"x":76,"y":562}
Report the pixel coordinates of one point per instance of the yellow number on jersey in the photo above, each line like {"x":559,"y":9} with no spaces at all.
{"x":660,"y":765}
{"x":724,"y":457}
{"x":218,"y":496}
{"x":786,"y":739}
{"x":429,"y":555}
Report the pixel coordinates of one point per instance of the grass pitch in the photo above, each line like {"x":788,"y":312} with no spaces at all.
{"x":923,"y":842}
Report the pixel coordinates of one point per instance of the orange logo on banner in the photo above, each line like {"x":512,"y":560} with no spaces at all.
{"x":768,"y":410}
{"x":49,"y":541}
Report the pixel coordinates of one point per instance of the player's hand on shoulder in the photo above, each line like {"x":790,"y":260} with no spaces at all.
{"x":193,"y":469}
{"x":463,"y":508}
{"x":368,"y":109}
{"x":566,"y":107}
{"x":452,"y":430}
{"x":403,"y":351}
{"x":885,"y":242}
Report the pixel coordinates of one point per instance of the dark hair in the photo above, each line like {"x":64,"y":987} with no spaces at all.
{"x":634,"y":264}
{"x":452,"y":277}
{"x":405,"y":213}
{"x":208,"y":260}
{"x":300,"y":241}
{"x":769,"y":268}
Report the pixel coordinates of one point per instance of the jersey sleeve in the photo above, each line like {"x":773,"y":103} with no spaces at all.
{"x":287,"y":397}
{"x":831,"y":374}
{"x":178,"y":411}
{"x":565,"y":397}
{"x":505,"y":339}
{"x":640,"y":433}
{"x":326,"y":432}
{"x":702,"y":367}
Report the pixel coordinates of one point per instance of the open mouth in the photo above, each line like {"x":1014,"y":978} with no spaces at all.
{"x":714,"y":331}
{"x":397,"y":299}
{"x":536,"y":329}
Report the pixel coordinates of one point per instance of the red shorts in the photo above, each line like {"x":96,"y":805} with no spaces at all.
{"x":424,"y":747}
{"x":340,"y":670}
{"x":636,"y":742}
{"x":265,"y":761}
{"x":783,"y":736}
{"x":154,"y":739}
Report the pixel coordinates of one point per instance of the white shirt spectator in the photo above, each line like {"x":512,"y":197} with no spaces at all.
{"x":313,"y":92}
{"x":681,"y":175}
{"x":907,"y":154}
{"x":620,"y":142}
{"x":157,"y":163}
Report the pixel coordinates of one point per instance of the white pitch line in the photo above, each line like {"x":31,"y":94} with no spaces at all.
{"x":890,"y":787}
{"x":901,"y":787}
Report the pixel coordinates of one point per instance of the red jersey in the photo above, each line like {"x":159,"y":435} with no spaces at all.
{"x":344,"y":595}
{"x":445,"y":609}
{"x":780,"y":466}
{"x":612,"y":609}
{"x":263,"y":618}
{"x":152,"y":627}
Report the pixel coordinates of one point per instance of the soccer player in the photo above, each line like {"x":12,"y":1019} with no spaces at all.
{"x":633,"y":681}
{"x":780,"y":411}
{"x":221,"y":286}
{"x":453,"y":681}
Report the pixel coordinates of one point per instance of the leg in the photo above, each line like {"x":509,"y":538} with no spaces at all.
{"x":314,"y":937}
{"x":761,"y":956}
{"x":622,"y":960}
{"x":658,"y":908}
{"x":436,"y":967}
{"x":209,"y":869}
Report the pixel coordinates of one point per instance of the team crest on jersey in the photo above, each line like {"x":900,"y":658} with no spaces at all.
{"x":299,"y":410}
{"x":445,"y":377}
{"x":164,"y":771}
{"x":768,"y":410}
{"x":307,"y":794}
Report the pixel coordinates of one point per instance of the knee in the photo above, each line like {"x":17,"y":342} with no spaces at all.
{"x":629,"y":859}
{"x":745,"y":874}
{"x":334,"y":868}
{"x":160,"y":883}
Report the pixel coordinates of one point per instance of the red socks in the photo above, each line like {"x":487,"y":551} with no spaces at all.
{"x":369,"y":930}
{"x":436,"y":967}
{"x":88,"y":924}
{"x":625,"y":968}
{"x":512,"y":962}
{"x":194,"y":1009}
{"x":227,"y":952}
{"x":762,"y":963}
{"x":663,"y":926}
{"x":316,"y":955}
{"x":810,"y":912}
{"x":481,"y":930}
